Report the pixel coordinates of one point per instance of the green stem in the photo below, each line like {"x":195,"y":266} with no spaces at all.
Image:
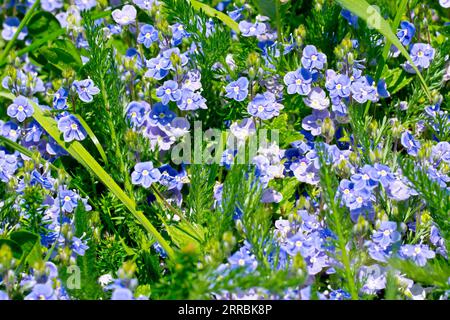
{"x":21,"y":26}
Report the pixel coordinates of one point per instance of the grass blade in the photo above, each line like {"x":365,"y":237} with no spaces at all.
{"x":216,"y":14}
{"x":93,"y":138}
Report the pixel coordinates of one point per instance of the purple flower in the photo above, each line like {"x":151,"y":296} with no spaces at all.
{"x":144,"y":174}
{"x":147,"y":35}
{"x":33,"y":132}
{"x":137,"y":112}
{"x":363,"y":91}
{"x":418,"y":253}
{"x":10,"y":130}
{"x":85,"y":4}
{"x":10,"y":26}
{"x":68,"y":200}
{"x":191,"y":100}
{"x":8,"y":166}
{"x":42,"y":292}
{"x":367,"y":178}
{"x":20,"y":109}
{"x":168,"y":92}
{"x":125,"y":16}
{"x":317,"y":99}
{"x":158,"y":68}
{"x":385,"y":175}
{"x":411,"y":145}
{"x":71,"y":128}
{"x":86,"y":89}
{"x":312,"y":59}
{"x":399,"y":191}
{"x":237,"y":90}
{"x":445,"y":3}
{"x":317,"y":262}
{"x":264,"y":106}
{"x":298,"y":81}
{"x":50,"y":5}
{"x":270,"y":196}
{"x":337,"y":84}
{"x":314,"y":121}
{"x":406,"y":32}
{"x":346,"y":191}
{"x":145,"y":4}
{"x":161,"y":114}
{"x":441,"y":151}
{"x":305,"y":171}
{"x":122,"y":294}
{"x":60,"y":99}
{"x":359,"y":199}
{"x":243,"y":259}
{"x":339,"y":294}
{"x":386,"y":234}
{"x":249,"y":29}
{"x":299,"y":244}
{"x":422,"y":54}
{"x":178,"y":33}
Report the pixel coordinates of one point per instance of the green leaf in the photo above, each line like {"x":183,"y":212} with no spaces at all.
{"x":373,"y":19}
{"x":93,"y":138}
{"x":79,"y":153}
{"x":30,"y":244}
{"x":182,"y":235}
{"x":266,"y":7}
{"x":61,"y":58}
{"x":216,"y":14}
{"x":14,"y":246}
{"x":42,"y":23}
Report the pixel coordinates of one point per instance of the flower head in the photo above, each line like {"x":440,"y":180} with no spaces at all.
{"x":86,"y":89}
{"x":71,"y":128}
{"x":20,"y":109}
{"x":125,"y":16}
{"x":147,"y":35}
{"x":144,"y":174}
{"x":237,"y":90}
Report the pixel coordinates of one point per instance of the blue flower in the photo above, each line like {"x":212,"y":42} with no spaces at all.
{"x":191,"y":100}
{"x":237,"y":90}
{"x":144,"y":174}
{"x":86,"y":89}
{"x":249,"y":29}
{"x":125,"y":16}
{"x":42,"y":292}
{"x":311,"y":59}
{"x":158,"y":68}
{"x":11,"y":131}
{"x":10,"y":27}
{"x":68,"y":200}
{"x":33,"y":132}
{"x":367,"y":178}
{"x":337,"y":84}
{"x":136,"y":112}
{"x":298,"y":81}
{"x":71,"y":128}
{"x":360,"y":199}
{"x":411,"y":145}
{"x":314,"y":121}
{"x":145,"y":4}
{"x":50,"y":5}
{"x":85,"y":4}
{"x":122,"y":294}
{"x":79,"y":246}
{"x":161,"y":114}
{"x":317,"y":99}
{"x":422,"y":54}
{"x":147,"y":35}
{"x":20,"y":109}
{"x":243,"y":259}
{"x":350,"y":17}
{"x":60,"y":99}
{"x":178,"y":33}
{"x":363,"y":91}
{"x":264,"y":106}
{"x":418,"y":253}
{"x":339,"y":294}
{"x":8,"y":166}
{"x":385,"y":175}
{"x":406,"y":32}
{"x":227,"y":158}
{"x":386,"y":234}
{"x":168,"y":92}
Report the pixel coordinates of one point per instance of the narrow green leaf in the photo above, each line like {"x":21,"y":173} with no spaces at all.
{"x":216,"y":14}
{"x":14,"y":246}
{"x":93,"y":138}
{"x":373,"y":19}
{"x":79,"y":153}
